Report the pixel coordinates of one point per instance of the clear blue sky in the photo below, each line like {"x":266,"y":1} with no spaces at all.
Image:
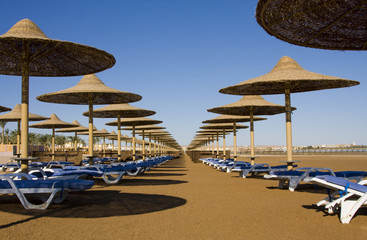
{"x":178,"y":54}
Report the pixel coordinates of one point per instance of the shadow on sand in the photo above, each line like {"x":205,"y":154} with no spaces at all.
{"x":94,"y":204}
{"x":138,"y":182}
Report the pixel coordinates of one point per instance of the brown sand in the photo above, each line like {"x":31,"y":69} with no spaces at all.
{"x":185,"y":200}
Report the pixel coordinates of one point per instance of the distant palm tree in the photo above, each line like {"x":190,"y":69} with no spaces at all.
{"x":2,"y":125}
{"x":7,"y":135}
{"x":13,"y":136}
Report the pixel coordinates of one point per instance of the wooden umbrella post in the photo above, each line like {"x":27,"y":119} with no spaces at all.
{"x":224,"y":144}
{"x":143,"y":144}
{"x":217,"y":145}
{"x":213,"y":145}
{"x":53,"y":145}
{"x":134,"y":145}
{"x":288,"y":120}
{"x":119,"y":138}
{"x":252,"y":137}
{"x":235,"y":141}
{"x":18,"y":139}
{"x":90,"y":150}
{"x":24,"y":106}
{"x":150,"y":145}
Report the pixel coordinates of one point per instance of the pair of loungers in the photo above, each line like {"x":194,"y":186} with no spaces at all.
{"x":347,"y":197}
{"x":22,"y":184}
{"x":296,"y":176}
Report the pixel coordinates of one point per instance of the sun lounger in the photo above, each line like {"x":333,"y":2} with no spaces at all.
{"x":12,"y":184}
{"x":351,"y":195}
{"x":260,"y":168}
{"x":294,"y":177}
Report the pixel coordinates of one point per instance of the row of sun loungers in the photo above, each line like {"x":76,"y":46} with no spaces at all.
{"x":57,"y":179}
{"x":350,"y":190}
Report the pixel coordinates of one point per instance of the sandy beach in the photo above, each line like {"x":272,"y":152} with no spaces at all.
{"x":185,"y":200}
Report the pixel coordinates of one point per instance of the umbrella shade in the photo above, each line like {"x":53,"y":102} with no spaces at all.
{"x":4,"y":109}
{"x":287,"y":74}
{"x":26,"y":51}
{"x":338,"y":25}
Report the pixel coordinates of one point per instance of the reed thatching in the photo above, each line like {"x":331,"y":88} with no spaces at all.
{"x":53,"y":122}
{"x":287,"y":74}
{"x":89,"y":89}
{"x":48,"y":57}
{"x":123,"y":110}
{"x":223,"y":126}
{"x":248,"y":104}
{"x":79,"y":128}
{"x":15,"y":115}
{"x":134,"y":122}
{"x":335,"y":25}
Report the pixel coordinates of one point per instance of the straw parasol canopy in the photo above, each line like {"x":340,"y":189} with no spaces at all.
{"x":4,"y":109}
{"x":26,"y":51}
{"x":336,"y":25}
{"x":234,"y":119}
{"x":90,"y":91}
{"x":287,"y":77}
{"x":250,"y":105}
{"x":15,"y":116}
{"x":118,"y":111}
{"x":52,"y":123}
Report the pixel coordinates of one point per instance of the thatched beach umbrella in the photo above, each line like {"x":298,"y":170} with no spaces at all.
{"x":120,"y":111}
{"x":90,"y":91}
{"x":223,"y":127}
{"x":235,"y":119}
{"x":15,"y":116}
{"x":337,"y":25}
{"x":26,"y":51}
{"x":77,"y":129}
{"x":143,"y":128}
{"x":52,"y":123}
{"x":285,"y":78}
{"x":250,"y":105}
{"x":134,"y":122}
